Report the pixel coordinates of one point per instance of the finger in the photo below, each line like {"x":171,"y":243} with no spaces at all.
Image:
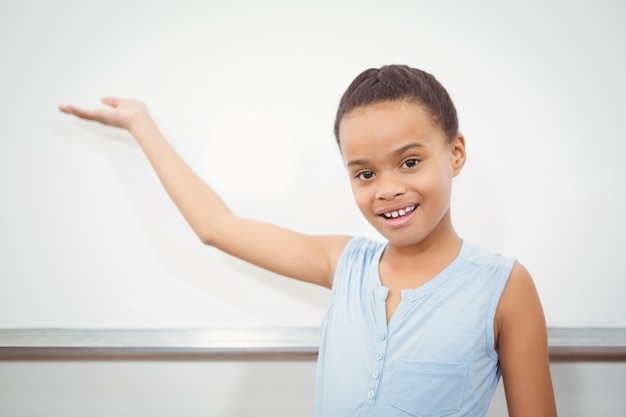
{"x":111,"y":101}
{"x":82,"y":113}
{"x":69,"y":109}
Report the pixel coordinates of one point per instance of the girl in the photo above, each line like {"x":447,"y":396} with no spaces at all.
{"x":421,"y":325}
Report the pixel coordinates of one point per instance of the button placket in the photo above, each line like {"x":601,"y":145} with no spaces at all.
{"x":381,"y":346}
{"x":379,"y":338}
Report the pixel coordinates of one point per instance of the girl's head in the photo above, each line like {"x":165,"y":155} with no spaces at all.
{"x":400,"y":83}
{"x":398,"y":133}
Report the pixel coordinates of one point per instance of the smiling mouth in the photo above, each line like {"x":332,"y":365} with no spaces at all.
{"x":398,"y":213}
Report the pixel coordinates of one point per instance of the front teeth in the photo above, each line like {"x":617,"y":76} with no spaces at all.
{"x":399,"y":213}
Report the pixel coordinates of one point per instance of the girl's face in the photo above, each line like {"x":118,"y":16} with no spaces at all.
{"x":401,"y":167}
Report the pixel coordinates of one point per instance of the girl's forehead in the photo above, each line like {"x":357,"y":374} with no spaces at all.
{"x":384,"y":124}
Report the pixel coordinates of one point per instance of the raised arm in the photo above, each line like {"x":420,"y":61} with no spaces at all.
{"x":522,"y":343}
{"x":296,"y":255}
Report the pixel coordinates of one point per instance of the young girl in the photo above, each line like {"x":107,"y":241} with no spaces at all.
{"x":421,"y":325}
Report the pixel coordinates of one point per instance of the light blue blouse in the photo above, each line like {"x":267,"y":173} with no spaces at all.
{"x":434,"y":358}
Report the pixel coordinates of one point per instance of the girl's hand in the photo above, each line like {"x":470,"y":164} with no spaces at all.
{"x":122,"y":113}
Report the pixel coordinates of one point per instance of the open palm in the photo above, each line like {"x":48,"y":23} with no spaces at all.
{"x":120,"y":112}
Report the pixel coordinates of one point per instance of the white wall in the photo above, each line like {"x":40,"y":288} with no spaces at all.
{"x":246,"y":91}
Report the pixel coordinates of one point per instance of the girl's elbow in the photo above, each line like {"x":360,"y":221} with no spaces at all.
{"x":211,"y":233}
{"x":207,"y":237}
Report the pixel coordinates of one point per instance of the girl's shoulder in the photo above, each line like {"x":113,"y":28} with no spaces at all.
{"x":481,"y":256}
{"x":360,"y":249}
{"x":359,"y":255}
{"x":363,"y":244}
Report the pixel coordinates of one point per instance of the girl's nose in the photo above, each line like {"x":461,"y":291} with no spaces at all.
{"x":389,"y":187}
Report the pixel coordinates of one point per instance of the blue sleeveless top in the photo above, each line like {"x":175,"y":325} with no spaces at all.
{"x":436,"y":356}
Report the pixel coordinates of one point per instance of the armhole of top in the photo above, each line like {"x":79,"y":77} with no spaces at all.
{"x":341,"y":262}
{"x":339,"y":272}
{"x":504,"y":273}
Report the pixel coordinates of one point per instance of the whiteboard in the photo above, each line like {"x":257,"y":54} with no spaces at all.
{"x":246,"y":92}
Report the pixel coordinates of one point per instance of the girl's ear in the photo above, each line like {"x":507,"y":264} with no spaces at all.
{"x":458,"y":154}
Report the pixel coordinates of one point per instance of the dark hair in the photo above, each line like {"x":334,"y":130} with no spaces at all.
{"x":400,"y":83}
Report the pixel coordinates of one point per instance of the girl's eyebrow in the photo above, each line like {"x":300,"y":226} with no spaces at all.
{"x":356,"y":162}
{"x":396,"y":152}
{"x":407,"y":147}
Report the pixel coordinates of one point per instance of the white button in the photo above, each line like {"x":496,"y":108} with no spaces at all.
{"x":382,"y":336}
{"x":376,"y":374}
{"x":370,"y":395}
{"x":379,"y":356}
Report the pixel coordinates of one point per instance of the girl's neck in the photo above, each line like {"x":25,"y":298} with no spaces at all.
{"x":429,"y":251}
{"x":437,"y":250}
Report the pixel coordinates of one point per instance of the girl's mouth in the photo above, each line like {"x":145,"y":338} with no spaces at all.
{"x":398,"y":213}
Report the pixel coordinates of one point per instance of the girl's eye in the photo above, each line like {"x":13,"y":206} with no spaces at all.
{"x":410,"y":163}
{"x":365,"y":175}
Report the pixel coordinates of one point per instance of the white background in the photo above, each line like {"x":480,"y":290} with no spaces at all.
{"x":246,"y":92}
